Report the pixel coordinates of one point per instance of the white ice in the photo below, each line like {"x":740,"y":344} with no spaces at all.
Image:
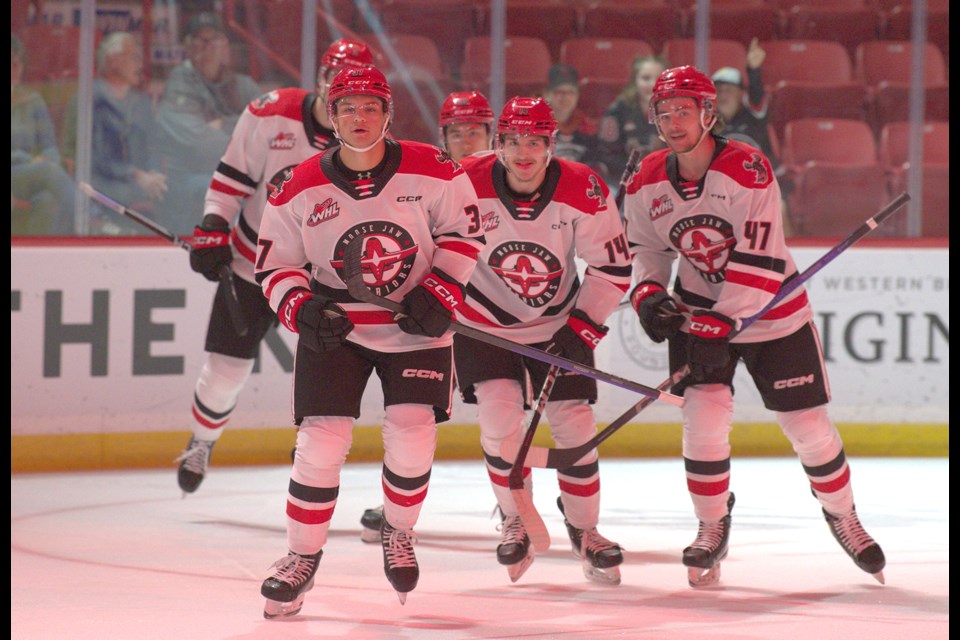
{"x":118,"y":555}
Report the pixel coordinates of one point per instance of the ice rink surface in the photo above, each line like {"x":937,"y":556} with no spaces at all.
{"x":121,"y":555}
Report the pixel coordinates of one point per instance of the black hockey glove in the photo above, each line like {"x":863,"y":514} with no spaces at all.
{"x":577,"y":339}
{"x":322,"y":325}
{"x":211,"y":247}
{"x":708,"y":350}
{"x":659,"y":315}
{"x":428,"y":308}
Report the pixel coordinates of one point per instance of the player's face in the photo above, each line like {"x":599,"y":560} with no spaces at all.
{"x":464,"y":139}
{"x":679,"y":120}
{"x":360,"y":119}
{"x":526,"y":160}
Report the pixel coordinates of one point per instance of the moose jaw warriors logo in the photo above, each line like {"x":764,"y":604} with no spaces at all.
{"x":596,"y":192}
{"x":529,"y":270}
{"x":389,"y":253}
{"x":274,"y":183}
{"x":706,"y":242}
{"x":761,"y":175}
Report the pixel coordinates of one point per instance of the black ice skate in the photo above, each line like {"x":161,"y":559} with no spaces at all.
{"x":858,"y":544}
{"x":599,"y":557}
{"x":514,"y":550}
{"x":193,"y":464}
{"x":703,"y":556}
{"x":370,"y":523}
{"x":284,"y":590}
{"x":399,"y":561}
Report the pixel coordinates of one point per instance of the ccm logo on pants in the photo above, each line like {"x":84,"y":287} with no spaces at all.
{"x":793,"y":382}
{"x":422,"y":373}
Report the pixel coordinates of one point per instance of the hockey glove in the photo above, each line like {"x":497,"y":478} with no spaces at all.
{"x":428,"y":308}
{"x":211,"y":247}
{"x":659,"y":315}
{"x":323,"y":326}
{"x":577,"y":339}
{"x":708,"y":350}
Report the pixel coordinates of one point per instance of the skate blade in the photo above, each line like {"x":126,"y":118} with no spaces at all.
{"x":515,"y":571}
{"x":699,"y":577}
{"x":402,"y":597}
{"x":879,"y":577}
{"x":273,"y":609}
{"x":609,"y":576}
{"x":370,"y":535}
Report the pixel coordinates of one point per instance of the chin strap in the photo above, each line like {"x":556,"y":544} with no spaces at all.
{"x":383,"y":133}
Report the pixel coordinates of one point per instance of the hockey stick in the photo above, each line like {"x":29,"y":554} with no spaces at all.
{"x":353,"y":276}
{"x":563,"y":458}
{"x":536,"y":529}
{"x":226,"y":274}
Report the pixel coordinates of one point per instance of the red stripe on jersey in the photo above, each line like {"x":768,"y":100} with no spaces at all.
{"x":401,"y":499}
{"x":216,"y":185}
{"x":833,"y":485}
{"x":308,"y":516}
{"x":283,"y":275}
{"x":241,"y":248}
{"x":787,"y":308}
{"x":469,"y":313}
{"x":582,"y":490}
{"x":708,"y":488}
{"x":209,"y":424}
{"x":461,"y":248}
{"x":371,"y":317}
{"x":752,"y":281}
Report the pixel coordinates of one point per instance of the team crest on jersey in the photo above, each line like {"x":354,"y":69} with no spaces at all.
{"x":443,"y":156}
{"x":275,"y":184}
{"x":389,"y":253}
{"x":661,"y":206}
{"x":759,"y":170}
{"x":326,"y":210}
{"x":283,"y":141}
{"x":266,"y":99}
{"x":706,"y":242}
{"x":529,"y":270}
{"x":490,"y":221}
{"x":596,"y":192}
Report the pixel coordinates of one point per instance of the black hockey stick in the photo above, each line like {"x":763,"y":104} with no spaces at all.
{"x":353,"y":276}
{"x":536,"y":529}
{"x":226,"y":274}
{"x":563,"y":458}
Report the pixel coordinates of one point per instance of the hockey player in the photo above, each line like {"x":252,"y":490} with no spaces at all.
{"x":539,"y":213}
{"x":716,"y":204}
{"x":466,"y":127}
{"x":416,"y":213}
{"x":276,"y":132}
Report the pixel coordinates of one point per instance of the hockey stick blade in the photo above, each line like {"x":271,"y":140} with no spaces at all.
{"x":353,"y":277}
{"x":536,"y":529}
{"x":225,"y":273}
{"x":561,"y":458}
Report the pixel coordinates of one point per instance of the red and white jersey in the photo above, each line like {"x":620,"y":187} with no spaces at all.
{"x":417,"y":211}
{"x":527,"y":282}
{"x":275,"y":133}
{"x":728,"y":231}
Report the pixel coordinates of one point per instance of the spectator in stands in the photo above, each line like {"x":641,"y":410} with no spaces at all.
{"x":743,"y":110}
{"x":576,"y":132}
{"x":626,"y":124}
{"x":122,"y":165}
{"x":201,"y":104}
{"x":42,"y":195}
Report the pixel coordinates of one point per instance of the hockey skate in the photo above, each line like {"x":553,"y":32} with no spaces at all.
{"x":702,"y":558}
{"x":370,"y":523}
{"x":514,"y":550}
{"x":193,"y":464}
{"x":284,"y":590}
{"x":399,"y":561}
{"x":599,"y":557}
{"x":858,"y":544}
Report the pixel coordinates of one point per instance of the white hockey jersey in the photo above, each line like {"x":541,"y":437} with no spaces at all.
{"x":417,"y":212}
{"x":527,"y":282}
{"x":275,"y":133}
{"x":727,"y":228}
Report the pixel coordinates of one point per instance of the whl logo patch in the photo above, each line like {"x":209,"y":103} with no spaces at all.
{"x":283,"y":141}
{"x":661,"y":207}
{"x":326,"y":210}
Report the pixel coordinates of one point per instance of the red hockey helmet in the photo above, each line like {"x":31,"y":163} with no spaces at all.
{"x":344,"y":53}
{"x":684,"y":82}
{"x":466,"y":107}
{"x":527,"y":117}
{"x":359,"y":81}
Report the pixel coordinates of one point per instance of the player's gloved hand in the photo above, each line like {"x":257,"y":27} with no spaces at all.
{"x":709,"y":348}
{"x":211,"y":247}
{"x":428,"y":307}
{"x":322,"y":325}
{"x":577,"y":339}
{"x":659,"y":315}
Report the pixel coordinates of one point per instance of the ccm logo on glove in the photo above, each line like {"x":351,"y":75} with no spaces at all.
{"x":449,"y":299}
{"x":289,"y":314}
